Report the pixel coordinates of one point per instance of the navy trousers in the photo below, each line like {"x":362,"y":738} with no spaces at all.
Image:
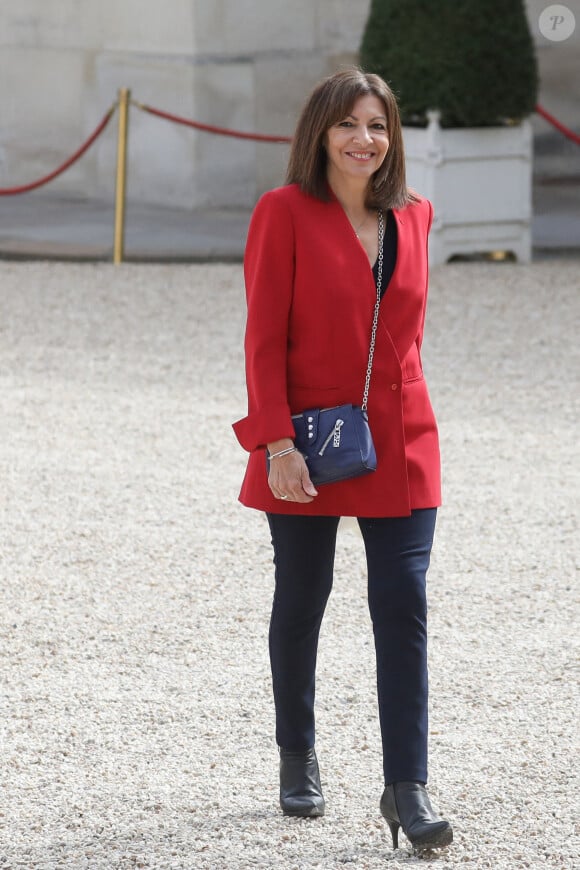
{"x":398,"y":551}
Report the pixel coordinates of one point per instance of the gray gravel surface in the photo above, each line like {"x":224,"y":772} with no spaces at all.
{"x":136,"y":723}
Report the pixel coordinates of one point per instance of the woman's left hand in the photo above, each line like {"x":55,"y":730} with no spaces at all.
{"x":289,"y":479}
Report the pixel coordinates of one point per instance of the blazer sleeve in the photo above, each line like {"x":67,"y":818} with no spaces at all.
{"x":269,"y":277}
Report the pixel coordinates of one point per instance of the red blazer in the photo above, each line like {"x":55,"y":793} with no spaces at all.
{"x":310,"y":294}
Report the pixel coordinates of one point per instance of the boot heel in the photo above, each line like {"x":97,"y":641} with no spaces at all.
{"x":394,"y":829}
{"x":407,"y":805}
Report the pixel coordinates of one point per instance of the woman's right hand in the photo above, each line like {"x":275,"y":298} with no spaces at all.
{"x":289,"y":479}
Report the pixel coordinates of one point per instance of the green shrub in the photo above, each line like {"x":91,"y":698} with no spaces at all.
{"x":473,"y":60}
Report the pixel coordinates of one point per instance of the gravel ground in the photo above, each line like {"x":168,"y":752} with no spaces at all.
{"x":136,"y":722}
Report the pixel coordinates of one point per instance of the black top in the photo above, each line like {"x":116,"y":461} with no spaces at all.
{"x":389,"y":253}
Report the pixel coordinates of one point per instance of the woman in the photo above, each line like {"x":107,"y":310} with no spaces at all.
{"x":311,"y":267}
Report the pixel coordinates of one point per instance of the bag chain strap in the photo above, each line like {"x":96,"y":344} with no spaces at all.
{"x":376,"y":312}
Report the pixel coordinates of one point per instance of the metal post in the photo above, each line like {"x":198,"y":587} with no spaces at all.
{"x":121,"y":181}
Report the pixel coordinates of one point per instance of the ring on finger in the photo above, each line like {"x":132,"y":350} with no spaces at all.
{"x":283,"y":497}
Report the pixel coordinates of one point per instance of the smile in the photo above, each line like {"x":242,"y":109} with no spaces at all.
{"x":360,"y":155}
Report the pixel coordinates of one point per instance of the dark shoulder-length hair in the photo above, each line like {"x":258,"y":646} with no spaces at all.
{"x":330,"y":102}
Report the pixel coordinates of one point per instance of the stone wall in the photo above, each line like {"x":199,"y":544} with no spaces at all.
{"x":559,"y":67}
{"x":245,"y":64}
{"x":555,"y":156}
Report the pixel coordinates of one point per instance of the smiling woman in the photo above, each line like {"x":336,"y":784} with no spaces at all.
{"x":339,"y":253}
{"x":355,"y":150}
{"x":360,"y":140}
{"x":331,"y":104}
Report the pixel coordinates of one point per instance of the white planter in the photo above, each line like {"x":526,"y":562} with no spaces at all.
{"x":480,"y":183}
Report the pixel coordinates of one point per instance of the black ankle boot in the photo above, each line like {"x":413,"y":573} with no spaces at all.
{"x":300,"y":790}
{"x":407,"y":805}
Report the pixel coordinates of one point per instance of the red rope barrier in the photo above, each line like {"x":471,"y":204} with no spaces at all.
{"x":24,"y":188}
{"x":570,"y":134}
{"x":261,"y":137}
{"x":209,"y":128}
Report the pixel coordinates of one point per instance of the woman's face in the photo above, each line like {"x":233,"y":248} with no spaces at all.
{"x":357,"y":145}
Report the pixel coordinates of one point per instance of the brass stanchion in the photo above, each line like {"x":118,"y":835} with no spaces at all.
{"x":121,"y":181}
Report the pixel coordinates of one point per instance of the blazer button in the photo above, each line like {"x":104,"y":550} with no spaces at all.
{"x":394,"y":387}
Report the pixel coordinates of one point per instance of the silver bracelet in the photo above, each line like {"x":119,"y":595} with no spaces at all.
{"x":285,"y":452}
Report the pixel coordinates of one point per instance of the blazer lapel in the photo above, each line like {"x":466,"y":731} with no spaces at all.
{"x":357,"y":260}
{"x":401,"y":308}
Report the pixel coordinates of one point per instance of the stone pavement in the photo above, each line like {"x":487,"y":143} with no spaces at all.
{"x":47,"y":226}
{"x":136,"y":725}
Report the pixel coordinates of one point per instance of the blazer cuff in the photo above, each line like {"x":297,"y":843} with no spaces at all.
{"x":261,"y":427}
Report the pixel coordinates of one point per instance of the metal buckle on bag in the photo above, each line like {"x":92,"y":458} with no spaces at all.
{"x":334,"y":435}
{"x":311,"y":419}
